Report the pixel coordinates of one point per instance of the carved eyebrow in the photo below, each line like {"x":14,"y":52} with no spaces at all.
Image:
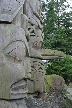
{"x":15,"y":34}
{"x":11,"y":51}
{"x":13,"y":48}
{"x":13,"y":42}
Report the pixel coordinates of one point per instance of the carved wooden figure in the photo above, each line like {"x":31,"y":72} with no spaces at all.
{"x":32,"y":9}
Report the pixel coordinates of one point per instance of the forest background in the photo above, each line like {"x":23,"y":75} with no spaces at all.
{"x":57,"y":23}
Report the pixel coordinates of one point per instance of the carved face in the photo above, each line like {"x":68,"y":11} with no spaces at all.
{"x":14,"y":62}
{"x":36,"y":45}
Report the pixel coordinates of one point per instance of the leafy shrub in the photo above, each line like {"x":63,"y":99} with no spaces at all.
{"x":62,"y":67}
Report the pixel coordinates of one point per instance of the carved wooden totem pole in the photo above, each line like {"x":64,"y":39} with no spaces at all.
{"x":21,"y":42}
{"x":32,"y":9}
{"x":15,"y":65}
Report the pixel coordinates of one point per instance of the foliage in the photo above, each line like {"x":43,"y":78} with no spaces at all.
{"x":62,"y":67}
{"x":57,"y":23}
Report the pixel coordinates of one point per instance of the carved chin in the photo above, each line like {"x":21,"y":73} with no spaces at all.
{"x":19,"y":89}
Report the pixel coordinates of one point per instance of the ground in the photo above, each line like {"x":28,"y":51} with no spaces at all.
{"x":54,"y":99}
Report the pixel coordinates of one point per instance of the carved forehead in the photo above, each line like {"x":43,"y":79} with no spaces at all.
{"x":9,"y":9}
{"x":12,"y":33}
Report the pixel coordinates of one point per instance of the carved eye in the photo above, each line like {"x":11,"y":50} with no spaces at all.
{"x":17,"y":50}
{"x":35,"y":45}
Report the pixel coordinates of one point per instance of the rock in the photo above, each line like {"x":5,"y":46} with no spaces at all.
{"x":68,"y":103}
{"x":54,"y":82}
{"x":58,"y":82}
{"x":43,"y":95}
{"x":54,"y":99}
{"x":20,"y":103}
{"x":70,"y":85}
{"x":69,"y":96}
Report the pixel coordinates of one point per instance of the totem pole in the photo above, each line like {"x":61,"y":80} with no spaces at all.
{"x":21,"y":42}
{"x":32,"y":9}
{"x":15,"y":67}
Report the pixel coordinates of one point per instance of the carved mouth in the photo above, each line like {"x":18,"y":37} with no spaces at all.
{"x":19,"y":87}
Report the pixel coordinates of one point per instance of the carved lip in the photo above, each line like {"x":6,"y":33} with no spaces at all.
{"x":19,"y":87}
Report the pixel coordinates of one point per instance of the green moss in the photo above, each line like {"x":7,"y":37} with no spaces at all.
{"x":49,"y":81}
{"x":53,"y":52}
{"x":68,"y":103}
{"x":70,"y":85}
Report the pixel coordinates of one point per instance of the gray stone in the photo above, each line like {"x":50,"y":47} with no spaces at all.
{"x":69,"y":93}
{"x":13,"y":104}
{"x":69,"y":96}
{"x":54,"y":82}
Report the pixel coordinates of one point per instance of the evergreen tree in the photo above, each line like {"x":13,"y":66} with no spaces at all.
{"x":57,"y":26}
